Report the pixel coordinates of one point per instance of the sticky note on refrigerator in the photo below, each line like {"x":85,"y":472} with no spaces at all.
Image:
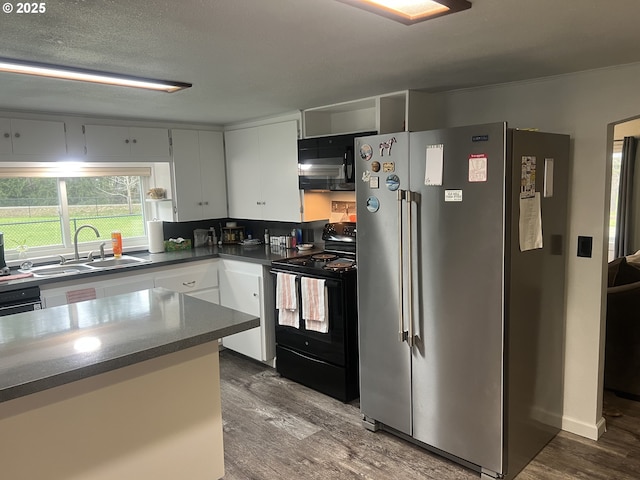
{"x":434,"y":165}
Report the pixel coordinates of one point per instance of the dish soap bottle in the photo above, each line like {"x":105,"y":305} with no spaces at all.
{"x":116,"y":244}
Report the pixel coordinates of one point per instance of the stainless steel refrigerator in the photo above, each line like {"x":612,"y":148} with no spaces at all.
{"x":461,"y":268}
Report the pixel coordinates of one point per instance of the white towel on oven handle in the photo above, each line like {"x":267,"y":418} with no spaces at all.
{"x":314,"y":304}
{"x":287,"y":300}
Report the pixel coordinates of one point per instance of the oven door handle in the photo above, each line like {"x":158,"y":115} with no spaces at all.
{"x":329,"y":282}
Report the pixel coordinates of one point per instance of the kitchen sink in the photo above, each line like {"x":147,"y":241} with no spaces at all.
{"x":48,"y":270}
{"x":117,"y":262}
{"x":70,"y":269}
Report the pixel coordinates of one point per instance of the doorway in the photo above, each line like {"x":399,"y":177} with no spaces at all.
{"x":623,"y":268}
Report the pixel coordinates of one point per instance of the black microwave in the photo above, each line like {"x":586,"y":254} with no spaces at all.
{"x":327,"y":163}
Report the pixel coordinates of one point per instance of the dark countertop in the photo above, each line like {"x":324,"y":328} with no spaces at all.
{"x":260,"y":254}
{"x":43,"y":349}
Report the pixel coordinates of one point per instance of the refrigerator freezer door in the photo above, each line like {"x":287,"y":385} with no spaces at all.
{"x":385,"y":361}
{"x":457,"y":370}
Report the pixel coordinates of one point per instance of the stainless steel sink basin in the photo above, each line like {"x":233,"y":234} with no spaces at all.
{"x":116,"y":262}
{"x":48,"y":270}
{"x":70,"y":269}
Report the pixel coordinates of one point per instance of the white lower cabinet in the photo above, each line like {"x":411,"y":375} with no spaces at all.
{"x":247,"y":287}
{"x":197,"y":279}
{"x":63,"y":293}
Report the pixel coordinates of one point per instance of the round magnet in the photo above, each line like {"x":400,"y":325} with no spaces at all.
{"x":366,"y":152}
{"x":375,"y":166}
{"x":373,"y":204}
{"x":393,"y":182}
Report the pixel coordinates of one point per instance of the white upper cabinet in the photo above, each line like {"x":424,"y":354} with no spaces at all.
{"x":32,"y":137}
{"x":199,"y":173}
{"x":112,"y":141}
{"x":262,"y":172}
{"x":242,"y":151}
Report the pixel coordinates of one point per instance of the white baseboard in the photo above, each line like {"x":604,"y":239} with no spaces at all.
{"x":592,"y":431}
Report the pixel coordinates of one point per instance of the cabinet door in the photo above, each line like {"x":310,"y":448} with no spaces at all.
{"x":242,"y":151}
{"x":5,"y":136}
{"x":240,"y":291}
{"x":186,"y":172}
{"x":243,"y":292}
{"x":211,"y":295}
{"x":128,"y":285}
{"x":279,"y":174}
{"x":55,"y":297}
{"x":198,"y":161}
{"x":105,"y":140}
{"x":152,"y":142}
{"x":38,"y":137}
{"x":212,"y":174}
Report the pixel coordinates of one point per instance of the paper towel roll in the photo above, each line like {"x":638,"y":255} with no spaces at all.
{"x":156,"y":236}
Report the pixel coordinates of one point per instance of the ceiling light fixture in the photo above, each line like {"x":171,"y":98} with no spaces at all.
{"x":93,"y":76}
{"x":410,"y":11}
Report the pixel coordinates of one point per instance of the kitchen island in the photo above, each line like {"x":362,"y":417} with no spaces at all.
{"x":119,"y":387}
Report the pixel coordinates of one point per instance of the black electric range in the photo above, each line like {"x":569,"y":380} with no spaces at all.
{"x":326,"y":362}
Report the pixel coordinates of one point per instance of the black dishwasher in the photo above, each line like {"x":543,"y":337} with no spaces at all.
{"x":20,"y":300}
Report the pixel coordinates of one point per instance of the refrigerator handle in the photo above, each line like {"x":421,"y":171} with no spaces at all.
{"x":402,"y":334}
{"x":411,"y":337}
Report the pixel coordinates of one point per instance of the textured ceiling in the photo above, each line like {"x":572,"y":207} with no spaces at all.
{"x":254,"y":58}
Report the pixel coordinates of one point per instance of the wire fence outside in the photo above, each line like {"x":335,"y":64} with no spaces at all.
{"x":34,"y":226}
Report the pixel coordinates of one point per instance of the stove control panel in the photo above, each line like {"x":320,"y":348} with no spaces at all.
{"x":342,"y":232}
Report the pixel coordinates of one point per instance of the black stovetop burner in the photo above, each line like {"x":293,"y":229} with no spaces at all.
{"x":338,"y":258}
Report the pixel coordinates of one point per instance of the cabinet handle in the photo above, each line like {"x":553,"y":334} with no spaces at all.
{"x":206,"y":203}
{"x":7,"y":135}
{"x":126,"y":140}
{"x":255,"y":294}
{"x":135,"y":141}
{"x":200,"y":204}
{"x":17,"y":135}
{"x":189,"y":284}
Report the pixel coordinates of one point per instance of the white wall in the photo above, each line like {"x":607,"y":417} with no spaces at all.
{"x":581,"y":105}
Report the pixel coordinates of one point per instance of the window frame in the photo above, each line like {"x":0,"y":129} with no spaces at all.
{"x":148,"y":172}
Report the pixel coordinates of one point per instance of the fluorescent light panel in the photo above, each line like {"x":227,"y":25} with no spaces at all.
{"x":410,"y":11}
{"x":93,"y":76}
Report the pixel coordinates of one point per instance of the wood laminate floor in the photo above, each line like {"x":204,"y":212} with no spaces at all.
{"x":275,"y":429}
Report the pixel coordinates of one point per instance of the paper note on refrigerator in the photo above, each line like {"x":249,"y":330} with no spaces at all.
{"x":528,"y":177}
{"x":530,"y":224}
{"x":433,"y":165}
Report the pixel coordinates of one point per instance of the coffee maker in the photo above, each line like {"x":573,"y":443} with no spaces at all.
{"x":4,"y":270}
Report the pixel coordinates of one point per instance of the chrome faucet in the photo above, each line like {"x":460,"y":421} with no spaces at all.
{"x":76,"y":255}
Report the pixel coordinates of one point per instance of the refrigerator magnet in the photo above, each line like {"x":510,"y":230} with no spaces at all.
{"x":366,"y":175}
{"x":373,"y":204}
{"x":393,"y":182}
{"x":366,"y":152}
{"x":386,"y":146}
{"x":388,"y":167}
{"x":453,"y":195}
{"x":375,"y":166}
{"x":478,"y":167}
{"x":374,"y":182}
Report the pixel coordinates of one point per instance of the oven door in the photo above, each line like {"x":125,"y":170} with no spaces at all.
{"x":330,"y":346}
{"x":21,"y":300}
